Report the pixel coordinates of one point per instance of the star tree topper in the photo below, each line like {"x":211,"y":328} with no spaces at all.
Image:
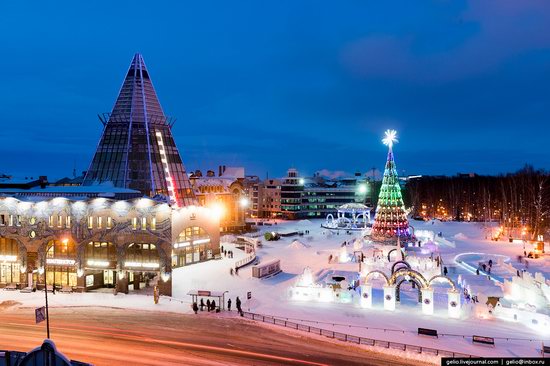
{"x":390,"y":138}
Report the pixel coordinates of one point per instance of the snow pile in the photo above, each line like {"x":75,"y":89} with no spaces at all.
{"x":296,"y":244}
{"x":304,"y":222}
{"x":228,"y":238}
{"x":460,"y":236}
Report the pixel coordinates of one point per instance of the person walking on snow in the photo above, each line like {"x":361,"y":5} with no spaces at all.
{"x":208,"y":305}
{"x":238,"y":302}
{"x":195,"y":307}
{"x":202,"y":304}
{"x":228,"y":304}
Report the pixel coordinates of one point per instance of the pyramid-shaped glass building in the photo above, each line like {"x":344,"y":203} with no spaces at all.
{"x":137,"y":149}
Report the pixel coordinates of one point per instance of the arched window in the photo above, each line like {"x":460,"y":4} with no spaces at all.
{"x":100,"y":254}
{"x":192,"y":233}
{"x":60,"y":263}
{"x":9,"y":268}
{"x":192,"y":245}
{"x":142,"y":255}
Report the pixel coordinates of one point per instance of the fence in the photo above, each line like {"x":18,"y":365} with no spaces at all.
{"x":353,"y":338}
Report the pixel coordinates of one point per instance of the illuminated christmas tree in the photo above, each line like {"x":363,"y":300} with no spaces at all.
{"x":391,"y":219}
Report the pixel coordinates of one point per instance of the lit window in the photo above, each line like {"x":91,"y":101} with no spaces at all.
{"x":50,"y":221}
{"x":109,"y":222}
{"x":134,"y":223}
{"x":143,"y":223}
{"x":68,"y":222}
{"x":90,"y":222}
{"x":18,"y":222}
{"x":154,"y":223}
{"x":100,"y":222}
{"x":59,"y":221}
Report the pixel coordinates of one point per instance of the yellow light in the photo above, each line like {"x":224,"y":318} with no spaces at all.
{"x":218,"y":209}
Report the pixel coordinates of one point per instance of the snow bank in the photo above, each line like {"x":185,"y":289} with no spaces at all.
{"x":296,"y":244}
{"x":304,"y":222}
{"x":460,"y":236}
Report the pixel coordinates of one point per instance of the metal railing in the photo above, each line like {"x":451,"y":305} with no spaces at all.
{"x":353,"y":338}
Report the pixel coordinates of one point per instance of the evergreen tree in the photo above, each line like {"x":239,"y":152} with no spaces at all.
{"x":390,"y":219}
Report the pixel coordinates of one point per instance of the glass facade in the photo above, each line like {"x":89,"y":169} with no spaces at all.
{"x":137,"y":149}
{"x":60,"y":263}
{"x":191,"y":247}
{"x":9,"y":268}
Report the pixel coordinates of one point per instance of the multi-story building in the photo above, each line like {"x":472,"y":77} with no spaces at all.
{"x":269,"y":202}
{"x":105,"y":233}
{"x":225,"y":194}
{"x":294,"y":197}
{"x":81,"y":245}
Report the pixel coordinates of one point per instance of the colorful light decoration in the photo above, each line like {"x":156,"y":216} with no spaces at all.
{"x":390,"y":219}
{"x":169,"y":180}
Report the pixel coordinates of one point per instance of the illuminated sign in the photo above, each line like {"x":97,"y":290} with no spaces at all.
{"x":141,"y":265}
{"x":8,"y":258}
{"x":60,"y":262}
{"x":201,"y":241}
{"x":183,"y":244}
{"x":93,"y":263}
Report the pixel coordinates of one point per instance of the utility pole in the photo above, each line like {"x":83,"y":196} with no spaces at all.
{"x":46,"y":294}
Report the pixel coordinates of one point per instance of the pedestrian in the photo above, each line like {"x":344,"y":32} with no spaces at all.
{"x":445,"y":271}
{"x":238,"y":302}
{"x":195,"y":307}
{"x":525,"y":253}
{"x":202,"y":304}
{"x":213,"y":305}
{"x":330,"y":258}
{"x":225,"y":253}
{"x":208,"y":305}
{"x":222,"y":248}
{"x":477,"y":271}
{"x":231,"y":271}
{"x":490,"y":262}
{"x":517,"y":272}
{"x":228,"y":304}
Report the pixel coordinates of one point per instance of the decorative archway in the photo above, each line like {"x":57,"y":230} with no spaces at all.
{"x":393,"y":250}
{"x":400,"y":262}
{"x":441,"y":277}
{"x":398,"y":288}
{"x":371,"y":273}
{"x":412,"y":274}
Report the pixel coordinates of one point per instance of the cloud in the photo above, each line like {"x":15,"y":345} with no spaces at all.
{"x":501,"y":30}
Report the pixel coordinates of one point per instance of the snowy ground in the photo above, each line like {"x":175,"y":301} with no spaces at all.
{"x":269,"y":296}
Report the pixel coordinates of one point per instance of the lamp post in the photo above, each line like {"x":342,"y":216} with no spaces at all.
{"x":46,"y":295}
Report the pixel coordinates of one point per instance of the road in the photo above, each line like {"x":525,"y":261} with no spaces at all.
{"x":106,"y":336}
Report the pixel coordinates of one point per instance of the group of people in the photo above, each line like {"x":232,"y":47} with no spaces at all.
{"x":486,"y":267}
{"x":211,"y":306}
{"x":226,"y":253}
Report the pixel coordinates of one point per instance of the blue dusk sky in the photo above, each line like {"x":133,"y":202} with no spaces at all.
{"x":272,"y":84}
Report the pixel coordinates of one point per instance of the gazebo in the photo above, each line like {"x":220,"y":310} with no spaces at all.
{"x":350,"y":216}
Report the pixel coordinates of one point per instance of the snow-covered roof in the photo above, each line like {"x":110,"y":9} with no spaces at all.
{"x":353,"y":206}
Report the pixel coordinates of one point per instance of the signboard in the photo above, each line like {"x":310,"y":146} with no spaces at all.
{"x":249,"y":295}
{"x":484,"y":340}
{"x":203,"y":293}
{"x":40,"y":314}
{"x":428,"y":332}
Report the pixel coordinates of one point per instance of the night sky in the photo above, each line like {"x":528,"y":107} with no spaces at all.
{"x":274,"y":84}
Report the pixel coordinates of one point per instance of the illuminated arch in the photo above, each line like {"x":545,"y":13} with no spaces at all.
{"x":378,"y":272}
{"x":399,"y":262}
{"x":441,"y":277}
{"x":393,"y":250}
{"x":398,"y":288}
{"x":401,"y":272}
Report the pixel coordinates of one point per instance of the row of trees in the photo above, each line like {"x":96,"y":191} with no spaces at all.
{"x":517,"y":200}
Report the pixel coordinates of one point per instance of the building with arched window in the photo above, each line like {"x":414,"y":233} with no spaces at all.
{"x":83,"y":245}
